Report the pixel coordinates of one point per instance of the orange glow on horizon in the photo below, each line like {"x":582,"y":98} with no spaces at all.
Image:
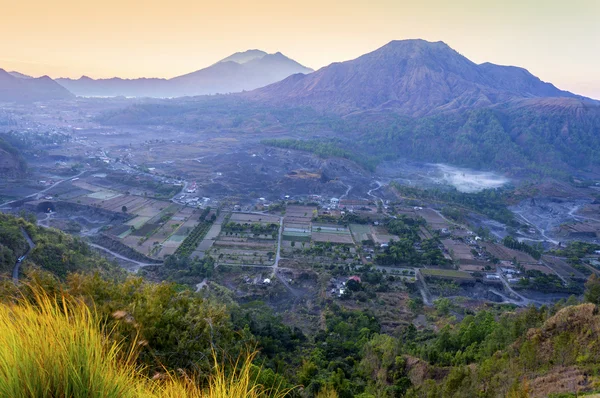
{"x":557,"y":41}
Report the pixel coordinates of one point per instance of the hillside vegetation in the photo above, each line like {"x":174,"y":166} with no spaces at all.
{"x":536,"y":137}
{"x":55,"y":251}
{"x":118,"y":335}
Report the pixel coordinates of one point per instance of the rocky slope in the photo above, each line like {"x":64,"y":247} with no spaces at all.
{"x":410,"y":77}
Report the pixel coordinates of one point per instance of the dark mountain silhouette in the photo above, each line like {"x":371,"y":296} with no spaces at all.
{"x":411,"y":77}
{"x":17,"y":89}
{"x":236,"y":73}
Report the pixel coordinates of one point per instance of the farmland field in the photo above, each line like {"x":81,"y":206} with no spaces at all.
{"x":381,"y":235}
{"x":504,"y":253}
{"x":360,"y":232}
{"x":433,"y":219}
{"x":104,"y":195}
{"x":458,"y":250}
{"x":253,"y":218}
{"x":138,"y":222}
{"x":332,"y":238}
{"x":562,"y":268}
{"x":446,"y":273}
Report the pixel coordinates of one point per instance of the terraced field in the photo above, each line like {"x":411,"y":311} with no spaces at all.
{"x":240,"y":243}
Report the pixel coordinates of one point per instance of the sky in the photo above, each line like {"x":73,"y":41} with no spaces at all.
{"x":556,"y":40}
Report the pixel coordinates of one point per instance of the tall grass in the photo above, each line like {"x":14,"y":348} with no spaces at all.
{"x":327,"y":392}
{"x":56,"y":348}
{"x":237,"y":384}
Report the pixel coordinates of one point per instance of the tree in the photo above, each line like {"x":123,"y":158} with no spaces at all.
{"x":442,"y":305}
{"x":592,"y":290}
{"x":124,"y":209}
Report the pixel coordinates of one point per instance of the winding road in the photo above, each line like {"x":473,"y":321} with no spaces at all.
{"x":43,"y":190}
{"x":201,"y":285}
{"x":370,"y":191}
{"x":121,"y":257}
{"x":523,"y":301}
{"x":542,"y":231}
{"x":15,"y":274}
{"x":575,"y":209}
{"x":347,"y":190}
{"x":423,"y":289}
{"x":278,"y":257}
{"x":278,"y":254}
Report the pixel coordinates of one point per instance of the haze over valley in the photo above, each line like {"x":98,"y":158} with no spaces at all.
{"x":239,"y":72}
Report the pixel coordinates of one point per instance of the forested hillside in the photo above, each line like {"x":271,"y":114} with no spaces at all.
{"x":556,"y":137}
{"x":55,"y":251}
{"x":494,"y":351}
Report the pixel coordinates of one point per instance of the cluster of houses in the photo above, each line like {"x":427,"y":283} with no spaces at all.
{"x":194,"y":201}
{"x":192,"y":188}
{"x":512,"y":274}
{"x":338,"y":285}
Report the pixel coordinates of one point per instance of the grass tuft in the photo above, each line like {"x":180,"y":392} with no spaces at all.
{"x":56,"y":348}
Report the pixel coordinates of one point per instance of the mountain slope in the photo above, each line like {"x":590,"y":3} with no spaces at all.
{"x":245,"y":56}
{"x":238,"y":72}
{"x":20,"y":75}
{"x":411,"y":77}
{"x":16,"y":89}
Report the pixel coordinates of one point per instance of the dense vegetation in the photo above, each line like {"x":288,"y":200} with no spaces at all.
{"x":187,"y":271}
{"x":191,"y":241}
{"x":251,"y":228}
{"x":533,"y":251}
{"x":578,"y":249}
{"x":514,"y":139}
{"x":12,"y":242}
{"x":410,"y":249}
{"x":54,"y":250}
{"x":533,"y":139}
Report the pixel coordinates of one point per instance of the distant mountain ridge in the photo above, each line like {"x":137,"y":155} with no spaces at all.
{"x":245,"y":56}
{"x":411,"y":77}
{"x":239,"y":72}
{"x":25,"y":89}
{"x":20,"y":75}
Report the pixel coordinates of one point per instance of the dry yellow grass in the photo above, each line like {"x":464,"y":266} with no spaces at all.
{"x":327,"y":392}
{"x":56,"y":348}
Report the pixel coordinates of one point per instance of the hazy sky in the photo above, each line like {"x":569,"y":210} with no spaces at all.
{"x":557,"y":40}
